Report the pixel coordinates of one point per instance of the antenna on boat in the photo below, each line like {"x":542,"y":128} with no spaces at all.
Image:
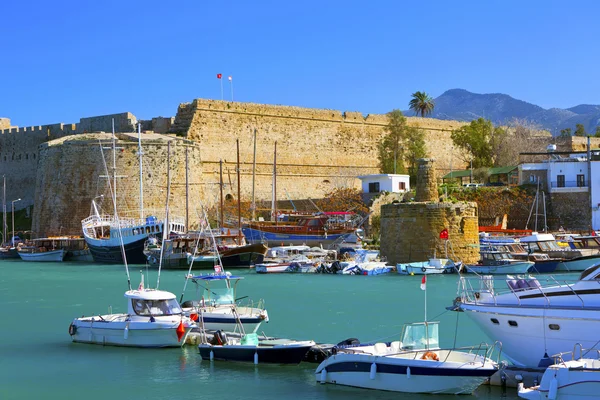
{"x":166,"y":228}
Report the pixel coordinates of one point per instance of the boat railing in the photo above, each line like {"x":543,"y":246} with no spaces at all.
{"x":481,"y":353}
{"x":577,"y":353}
{"x":484,"y":290}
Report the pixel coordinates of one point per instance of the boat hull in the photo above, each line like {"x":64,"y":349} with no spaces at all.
{"x":425,"y":268}
{"x":578,"y":264}
{"x":132,"y":334}
{"x":401,"y":375}
{"x":272,"y":239}
{"x":566,"y":381}
{"x":244,"y":256}
{"x":284,"y":354}
{"x":544,"y":266}
{"x":108,"y":254}
{"x":45,"y":256}
{"x":514,"y":268}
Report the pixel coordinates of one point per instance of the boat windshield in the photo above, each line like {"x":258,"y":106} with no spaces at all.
{"x":219,"y":296}
{"x":420,"y":336}
{"x":549,"y":245}
{"x":156,"y":307}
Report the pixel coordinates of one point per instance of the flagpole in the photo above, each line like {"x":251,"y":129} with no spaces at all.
{"x":221,"y":88}
{"x":231,"y":85}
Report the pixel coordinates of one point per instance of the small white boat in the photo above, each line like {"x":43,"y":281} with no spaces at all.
{"x":433,"y":266}
{"x":154,"y":318}
{"x":40,"y":254}
{"x":414,"y":365}
{"x":219,"y":307}
{"x":578,"y":378}
{"x":298,"y":263}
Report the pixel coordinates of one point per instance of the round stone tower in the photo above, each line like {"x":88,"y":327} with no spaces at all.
{"x":410,"y":231}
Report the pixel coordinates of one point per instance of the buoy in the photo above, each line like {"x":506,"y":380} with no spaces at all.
{"x":373,"y":371}
{"x":324,"y":375}
{"x":553,"y":388}
{"x":255,"y":358}
{"x":408,"y":372}
{"x":412,"y":273}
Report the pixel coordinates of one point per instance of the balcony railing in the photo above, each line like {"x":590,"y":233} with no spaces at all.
{"x":568,"y":184}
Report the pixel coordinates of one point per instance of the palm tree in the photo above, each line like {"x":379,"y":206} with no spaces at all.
{"x":421,"y":103}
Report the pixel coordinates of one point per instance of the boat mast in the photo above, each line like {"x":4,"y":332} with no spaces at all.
{"x":4,"y":212}
{"x":221,"y":189}
{"x":237,"y":141}
{"x":166,"y":227}
{"x":274,"y":207}
{"x":140,"y":154}
{"x":254,"y":178}
{"x":114,"y":168}
{"x":187,"y":190}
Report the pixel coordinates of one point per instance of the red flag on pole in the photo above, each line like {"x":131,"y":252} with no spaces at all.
{"x":444,"y":234}
{"x":219,"y":76}
{"x":423,"y":282}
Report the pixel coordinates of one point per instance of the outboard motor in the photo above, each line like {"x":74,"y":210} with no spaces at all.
{"x":219,"y":338}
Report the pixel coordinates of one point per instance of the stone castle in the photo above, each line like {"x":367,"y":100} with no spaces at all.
{"x":56,"y":169}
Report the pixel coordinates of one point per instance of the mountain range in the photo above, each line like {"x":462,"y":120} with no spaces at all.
{"x":462,"y":105}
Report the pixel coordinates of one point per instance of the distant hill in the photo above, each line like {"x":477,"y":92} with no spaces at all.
{"x":462,"y":105}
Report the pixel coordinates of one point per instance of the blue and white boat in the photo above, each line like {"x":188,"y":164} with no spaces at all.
{"x":432,"y":266}
{"x":415,"y":364}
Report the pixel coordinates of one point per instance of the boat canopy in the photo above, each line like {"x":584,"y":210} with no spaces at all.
{"x":215,"y":277}
{"x":149,"y":294}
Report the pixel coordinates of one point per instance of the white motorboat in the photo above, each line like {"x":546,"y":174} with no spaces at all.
{"x":219,"y":305}
{"x":578,"y":378}
{"x":573,"y":259}
{"x":41,"y":254}
{"x":496,"y":261}
{"x":154,"y":318}
{"x":433,"y":266}
{"x":534,"y":317}
{"x":414,"y":365}
{"x":297,"y":263}
{"x":364,"y":262}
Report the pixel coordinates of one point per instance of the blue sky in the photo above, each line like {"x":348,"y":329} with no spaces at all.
{"x":63,"y":60}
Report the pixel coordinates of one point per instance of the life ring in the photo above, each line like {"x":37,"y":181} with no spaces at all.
{"x":430,"y":355}
{"x":423,"y":269}
{"x":72,"y":329}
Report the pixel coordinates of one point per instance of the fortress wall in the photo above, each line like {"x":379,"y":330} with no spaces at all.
{"x":317,"y":149}
{"x":4,"y":123}
{"x":68,"y":179}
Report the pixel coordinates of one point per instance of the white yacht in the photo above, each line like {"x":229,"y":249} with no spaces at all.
{"x":534,"y":318}
{"x":154,"y":318}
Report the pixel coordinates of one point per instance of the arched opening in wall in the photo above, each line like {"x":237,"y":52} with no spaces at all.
{"x":27,"y":156}
{"x":34,"y":156}
{"x":228,"y":197}
{"x":326,"y":181}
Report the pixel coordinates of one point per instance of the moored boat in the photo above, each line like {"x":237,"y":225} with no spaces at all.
{"x":433,"y":266}
{"x":414,"y":365}
{"x":41,"y":254}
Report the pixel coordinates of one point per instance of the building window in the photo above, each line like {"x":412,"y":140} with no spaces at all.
{"x":560,"y":181}
{"x":402,"y":186}
{"x":580,"y":180}
{"x":374,"y":187}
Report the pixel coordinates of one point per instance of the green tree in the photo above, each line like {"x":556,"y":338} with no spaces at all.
{"x":421,"y":103}
{"x":597,"y":134}
{"x":565,"y":132}
{"x":580,"y":130}
{"x":390,"y":149}
{"x":415,"y":148}
{"x":479,"y":139}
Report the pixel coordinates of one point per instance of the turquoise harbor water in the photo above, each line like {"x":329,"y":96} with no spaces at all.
{"x":39,"y":361}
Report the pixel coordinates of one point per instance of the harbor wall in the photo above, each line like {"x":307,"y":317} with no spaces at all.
{"x":71,"y":173}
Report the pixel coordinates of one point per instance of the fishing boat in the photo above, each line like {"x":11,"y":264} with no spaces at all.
{"x":251,"y":349}
{"x":219,"y":305}
{"x":542,"y":262}
{"x":104,"y":234}
{"x":577,"y":378}
{"x":496,"y":261}
{"x":154,"y":318}
{"x":572,"y":259}
{"x":41,"y":254}
{"x":415,"y":364}
{"x":534,"y":317}
{"x":297,"y":263}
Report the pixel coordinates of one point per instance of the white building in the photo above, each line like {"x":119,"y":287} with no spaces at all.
{"x":392,"y":183}
{"x":572,"y":174}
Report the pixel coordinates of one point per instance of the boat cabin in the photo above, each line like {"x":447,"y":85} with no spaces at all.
{"x":152,"y":303}
{"x":214,"y":296}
